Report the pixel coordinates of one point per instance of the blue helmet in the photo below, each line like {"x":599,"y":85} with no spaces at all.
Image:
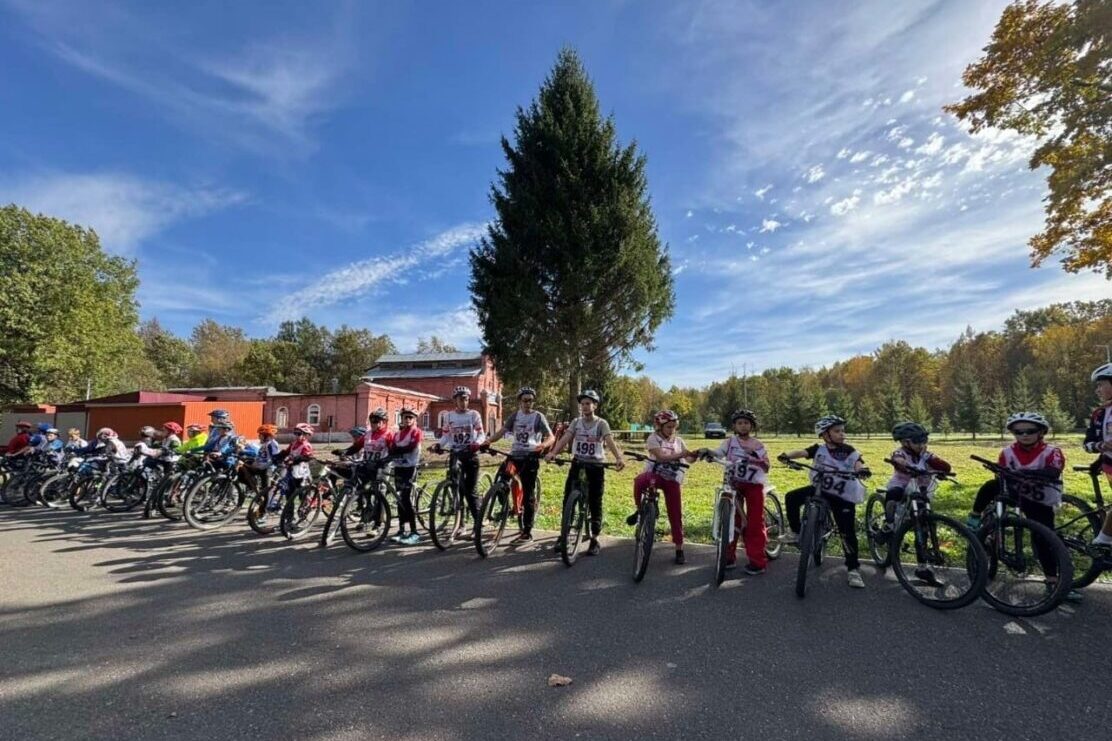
{"x":43,"y":427}
{"x":219,"y":414}
{"x":357,"y":431}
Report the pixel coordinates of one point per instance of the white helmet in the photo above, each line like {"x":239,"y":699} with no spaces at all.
{"x":1103,"y":373}
{"x":1033,"y":417}
{"x":825,"y":423}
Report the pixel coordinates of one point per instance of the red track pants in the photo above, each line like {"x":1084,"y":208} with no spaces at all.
{"x":671,"y":491}
{"x":756,"y":537}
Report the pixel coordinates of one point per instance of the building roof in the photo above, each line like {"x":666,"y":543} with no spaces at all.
{"x":407,"y":392}
{"x":268,"y":390}
{"x":433,"y":357}
{"x":142,"y":397}
{"x":377,"y":373}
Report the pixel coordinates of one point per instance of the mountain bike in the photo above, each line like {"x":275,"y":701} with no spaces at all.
{"x":54,"y":489}
{"x":88,"y":483}
{"x":365,"y":510}
{"x":448,"y":512}
{"x":724,"y":522}
{"x":1029,"y":567}
{"x":21,"y":487}
{"x":216,"y":495}
{"x":937,"y":560}
{"x":504,"y":497}
{"x":1077,"y":523}
{"x":265,"y":508}
{"x":818,"y":521}
{"x":306,"y":502}
{"x":647,"y":514}
{"x":577,"y":509}
{"x":132,"y":486}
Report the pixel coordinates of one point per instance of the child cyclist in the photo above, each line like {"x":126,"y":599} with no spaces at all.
{"x":844,"y":494}
{"x":195,"y":438}
{"x":1098,"y":437}
{"x":463,"y":435}
{"x":406,"y":452}
{"x":74,"y":442}
{"x":531,"y":436}
{"x":590,"y":434}
{"x":748,"y":476}
{"x":664,"y":446}
{"x":300,"y":450}
{"x":911,"y":456}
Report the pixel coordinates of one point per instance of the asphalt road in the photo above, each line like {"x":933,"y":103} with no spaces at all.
{"x":116,"y":628}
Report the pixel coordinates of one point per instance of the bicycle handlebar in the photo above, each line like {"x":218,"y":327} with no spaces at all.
{"x":643,"y":457}
{"x":916,"y":472}
{"x":832,"y":471}
{"x":569,"y":461}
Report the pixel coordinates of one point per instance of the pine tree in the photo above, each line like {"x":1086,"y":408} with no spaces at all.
{"x":969,"y":404}
{"x":998,"y":411}
{"x":917,"y":412}
{"x":892,"y":409}
{"x":945,"y":426}
{"x":868,"y":419}
{"x":1051,"y":408}
{"x":1023,"y":399}
{"x":574,"y":240}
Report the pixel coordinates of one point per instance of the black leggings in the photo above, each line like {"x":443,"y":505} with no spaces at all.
{"x":596,"y":483}
{"x":1040,"y":513}
{"x":528,"y":467}
{"x":469,"y":477}
{"x":844,"y":513}
{"x":403,"y":483}
{"x":895,"y":494}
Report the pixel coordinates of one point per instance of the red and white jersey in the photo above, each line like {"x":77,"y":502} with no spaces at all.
{"x":1098,"y":433}
{"x":461,"y":429}
{"x":1036,"y":458}
{"x":376,"y":444}
{"x":673,"y":444}
{"x":404,"y":438}
{"x":750,"y":459}
{"x":925,"y":461}
{"x":838,"y":458}
{"x":300,"y":448}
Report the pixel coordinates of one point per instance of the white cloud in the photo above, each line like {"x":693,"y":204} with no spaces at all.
{"x":123,"y":209}
{"x":689,"y":214}
{"x":905,"y":142}
{"x":894,"y":194}
{"x":457,"y":326}
{"x":815,"y":174}
{"x":907,"y":96}
{"x":861,"y":156}
{"x":933,"y":145}
{"x":844,"y":152}
{"x":760,"y":192}
{"x":844,"y":206}
{"x":769,"y":225}
{"x":364,"y":277}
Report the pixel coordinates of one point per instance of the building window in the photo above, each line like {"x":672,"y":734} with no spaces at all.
{"x":397,"y":419}
{"x":425,"y":421}
{"x":312,"y":414}
{"x":282,"y":418}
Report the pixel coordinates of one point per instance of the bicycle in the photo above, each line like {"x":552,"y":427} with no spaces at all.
{"x":1082,"y":523}
{"x":1006,"y":536}
{"x":724,"y":522}
{"x":448,"y":512}
{"x":365,"y":512}
{"x":306,"y":502}
{"x":216,"y":495}
{"x":818,"y":526}
{"x":938,"y":546}
{"x":88,"y":483}
{"x":132,"y":486}
{"x":647,"y":514}
{"x":576,"y":510}
{"x":504,"y":497}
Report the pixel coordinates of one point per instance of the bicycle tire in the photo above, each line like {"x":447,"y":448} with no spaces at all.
{"x":365,"y":521}
{"x":646,"y":534}
{"x":421,"y":504}
{"x":445,"y":517}
{"x":1081,"y":525}
{"x":83,"y":494}
{"x":774,"y":526}
{"x":1012,"y":531}
{"x":961,"y":554}
{"x":127,"y":489}
{"x":879,"y":541}
{"x":169,"y":496}
{"x":332,"y":522}
{"x":572,"y":523}
{"x":207,"y":509}
{"x":493,"y":514}
{"x":259,"y":518}
{"x":15,"y":493}
{"x":54,"y":491}
{"x":808,"y":535}
{"x":300,"y":512}
{"x":724,"y":512}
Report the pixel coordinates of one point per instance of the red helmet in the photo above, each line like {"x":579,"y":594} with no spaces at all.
{"x":172,"y":427}
{"x":304,"y":427}
{"x":23,"y":423}
{"x":267,"y":430}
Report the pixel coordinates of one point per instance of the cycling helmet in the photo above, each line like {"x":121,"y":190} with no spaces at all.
{"x":267,"y":430}
{"x":825,"y":423}
{"x":250,"y":451}
{"x":195,"y":428}
{"x":1103,"y":373}
{"x":219,"y":414}
{"x":106,"y":433}
{"x":461,"y":391}
{"x":909,"y":431}
{"x":146,"y":431}
{"x":43,"y":426}
{"x":378,"y":413}
{"x":664,"y":416}
{"x":172,"y":427}
{"x":526,"y":390}
{"x":408,"y":411}
{"x":304,"y":428}
{"x":23,"y":423}
{"x":357,"y":431}
{"x":1033,"y":417}
{"x":222,"y":424}
{"x":51,"y":431}
{"x":743,"y":414}
{"x":588,"y":394}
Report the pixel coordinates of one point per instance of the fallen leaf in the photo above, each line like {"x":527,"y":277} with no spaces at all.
{"x":555,"y":680}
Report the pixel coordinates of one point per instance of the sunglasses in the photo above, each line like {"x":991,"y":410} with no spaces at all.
{"x":918,"y":440}
{"x":1026,"y":431}
{"x":526,"y":400}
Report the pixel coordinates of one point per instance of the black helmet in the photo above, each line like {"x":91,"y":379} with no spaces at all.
{"x":743,"y":414}
{"x":526,"y":390}
{"x":588,"y":394}
{"x":909,"y":431}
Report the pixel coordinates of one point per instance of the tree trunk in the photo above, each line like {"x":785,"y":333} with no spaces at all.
{"x":573,"y":392}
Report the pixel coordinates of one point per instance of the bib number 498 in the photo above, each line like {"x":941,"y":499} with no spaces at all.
{"x":586,"y":449}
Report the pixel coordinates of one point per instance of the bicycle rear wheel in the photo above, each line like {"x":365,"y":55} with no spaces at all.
{"x":724,"y":514}
{"x":493,"y":514}
{"x":15,"y":493}
{"x":646,"y":532}
{"x":169,"y":495}
{"x":1080,"y":524}
{"x":83,"y":493}
{"x":1018,"y":582}
{"x":211,"y":502}
{"x":939,"y":561}
{"x":572,"y":525}
{"x":55,"y":490}
{"x":301,"y":511}
{"x":774,"y":526}
{"x":880,"y":542}
{"x":445,"y":515}
{"x":332,"y":522}
{"x":808,"y":547}
{"x":125,"y":492}
{"x":365,"y":521}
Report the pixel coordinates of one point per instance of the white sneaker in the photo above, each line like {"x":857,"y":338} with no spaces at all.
{"x":853,"y":578}
{"x":1102,"y":539}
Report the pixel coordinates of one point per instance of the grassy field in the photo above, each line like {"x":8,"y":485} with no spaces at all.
{"x":703,"y":478}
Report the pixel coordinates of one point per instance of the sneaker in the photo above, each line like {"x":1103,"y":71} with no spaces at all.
{"x":1102,"y":539}
{"x":522,"y":538}
{"x":594,"y":548}
{"x":397,"y":538}
{"x":680,"y":560}
{"x":789,"y":538}
{"x":928,"y":576}
{"x":632,"y":519}
{"x":753,"y":569}
{"x":853,"y":578}
{"x":1073,"y":596}
{"x":411,"y":539}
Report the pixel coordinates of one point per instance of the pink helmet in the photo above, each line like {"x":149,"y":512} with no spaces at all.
{"x":665,"y":416}
{"x":304,"y":427}
{"x":106,"y":432}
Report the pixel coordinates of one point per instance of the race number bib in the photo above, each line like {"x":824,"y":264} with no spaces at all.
{"x":586,"y":449}
{"x":461,"y":435}
{"x":301,"y":470}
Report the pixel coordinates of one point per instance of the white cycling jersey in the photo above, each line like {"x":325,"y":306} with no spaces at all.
{"x":587,"y":440}
{"x":527,"y":430}
{"x":839,"y":458}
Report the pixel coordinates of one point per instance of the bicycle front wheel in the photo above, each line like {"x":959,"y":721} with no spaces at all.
{"x":445,"y":515}
{"x":211,"y":502}
{"x":55,"y":490}
{"x":301,"y":511}
{"x":365,"y":521}
{"x":808,"y":547}
{"x":646,"y":532}
{"x":939,"y":561}
{"x":572,"y":525}
{"x":879,"y":540}
{"x":1029,"y":569}
{"x":774,"y":526}
{"x":1080,"y":524}
{"x":494,"y":512}
{"x":723,"y":516}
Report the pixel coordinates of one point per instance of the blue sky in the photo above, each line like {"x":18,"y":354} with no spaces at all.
{"x":263,"y":161}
